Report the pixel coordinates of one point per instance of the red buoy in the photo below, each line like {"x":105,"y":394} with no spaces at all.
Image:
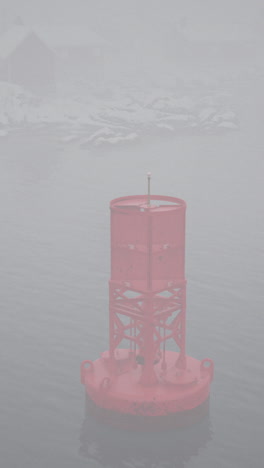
{"x":146,"y":370}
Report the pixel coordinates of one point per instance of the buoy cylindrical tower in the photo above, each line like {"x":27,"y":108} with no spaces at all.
{"x":146,"y":370}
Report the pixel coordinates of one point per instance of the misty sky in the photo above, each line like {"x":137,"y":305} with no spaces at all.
{"x":115,"y":18}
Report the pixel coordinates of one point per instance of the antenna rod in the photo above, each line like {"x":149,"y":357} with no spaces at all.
{"x":149,"y":178}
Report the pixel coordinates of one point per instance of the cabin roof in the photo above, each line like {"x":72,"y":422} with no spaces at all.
{"x":12,"y":38}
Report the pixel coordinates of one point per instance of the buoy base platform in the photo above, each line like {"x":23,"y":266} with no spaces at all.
{"x":116,"y":385}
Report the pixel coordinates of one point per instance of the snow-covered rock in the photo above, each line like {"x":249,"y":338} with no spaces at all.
{"x":91,"y":118}
{"x":165,"y":126}
{"x":116,"y":139}
{"x":206,"y":114}
{"x":228,"y":125}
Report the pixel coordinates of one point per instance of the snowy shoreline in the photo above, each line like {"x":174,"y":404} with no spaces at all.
{"x":125,"y":117}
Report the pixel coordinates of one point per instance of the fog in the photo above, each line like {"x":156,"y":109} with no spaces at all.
{"x":93,"y":97}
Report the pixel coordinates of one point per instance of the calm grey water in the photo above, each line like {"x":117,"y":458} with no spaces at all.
{"x":54,"y":248}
